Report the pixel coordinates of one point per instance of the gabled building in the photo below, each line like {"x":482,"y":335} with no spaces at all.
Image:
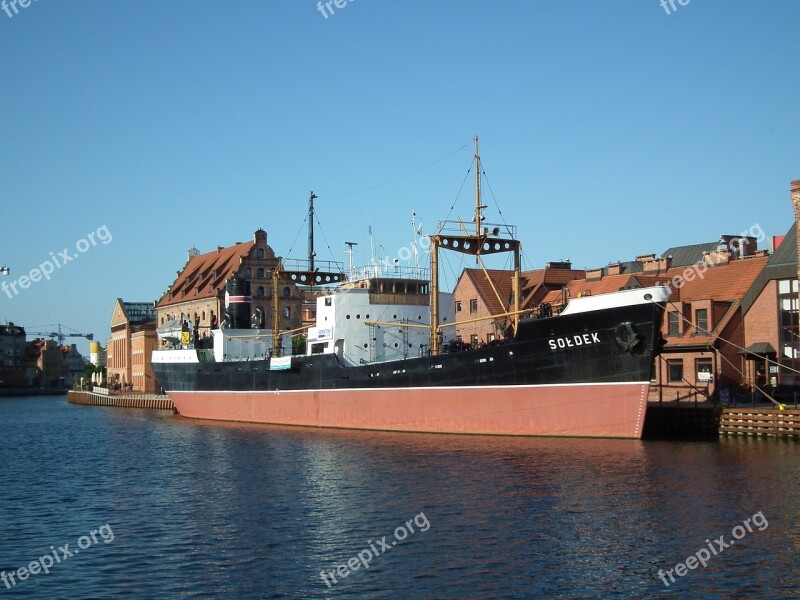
{"x":129,"y":350}
{"x":46,"y":358}
{"x":703,"y":328}
{"x":198,"y":293}
{"x":479,"y":294}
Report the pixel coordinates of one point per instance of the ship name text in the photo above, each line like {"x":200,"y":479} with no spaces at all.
{"x":570,"y":341}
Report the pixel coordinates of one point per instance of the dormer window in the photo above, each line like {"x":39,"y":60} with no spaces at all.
{"x":260,"y":253}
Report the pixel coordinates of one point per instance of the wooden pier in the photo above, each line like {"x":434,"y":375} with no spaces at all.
{"x":760,"y":422}
{"x":94,"y":398}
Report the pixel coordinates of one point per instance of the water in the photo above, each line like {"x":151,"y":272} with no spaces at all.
{"x":200,"y":509}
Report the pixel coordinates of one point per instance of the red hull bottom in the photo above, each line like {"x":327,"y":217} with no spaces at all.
{"x":579,"y":410}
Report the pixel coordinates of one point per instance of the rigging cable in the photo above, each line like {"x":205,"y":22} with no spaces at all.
{"x":398,"y":178}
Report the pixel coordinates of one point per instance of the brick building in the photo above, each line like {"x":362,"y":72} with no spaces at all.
{"x":479,"y":294}
{"x":198,"y":292}
{"x":46,"y":357}
{"x":772,"y":349}
{"x":129,"y":350}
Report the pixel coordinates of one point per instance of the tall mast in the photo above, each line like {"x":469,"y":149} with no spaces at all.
{"x":478,"y":206}
{"x":311,"y":252}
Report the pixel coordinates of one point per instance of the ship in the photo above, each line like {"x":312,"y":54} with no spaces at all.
{"x":381,"y":355}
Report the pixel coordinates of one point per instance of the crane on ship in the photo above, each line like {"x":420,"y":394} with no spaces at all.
{"x":60,"y":334}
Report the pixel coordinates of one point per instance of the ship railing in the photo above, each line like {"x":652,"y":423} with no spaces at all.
{"x":462,"y":228}
{"x":326,"y":266}
{"x":390,"y":270}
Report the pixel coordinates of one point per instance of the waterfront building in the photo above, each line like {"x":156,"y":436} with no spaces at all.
{"x":197,"y":296}
{"x":74,"y":362}
{"x":13,"y":370}
{"x":47,"y":360}
{"x":129,"y":350}
{"x":479,"y":294}
{"x":771,"y":316}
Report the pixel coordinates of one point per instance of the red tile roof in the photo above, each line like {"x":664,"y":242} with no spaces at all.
{"x":727,"y":282}
{"x":208,"y":272}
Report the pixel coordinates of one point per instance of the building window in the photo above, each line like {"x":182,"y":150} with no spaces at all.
{"x":458,"y":305}
{"x":248,"y":272}
{"x":260,"y":291}
{"x":675,"y":371}
{"x":788,"y":328}
{"x":489,"y":338}
{"x":473,"y":339}
{"x":260,"y":272}
{"x":703,"y":371}
{"x":701,"y":320}
{"x":473,"y":305}
{"x":673,"y":323}
{"x":287,"y":292}
{"x":260,"y":253}
{"x":287,"y":312}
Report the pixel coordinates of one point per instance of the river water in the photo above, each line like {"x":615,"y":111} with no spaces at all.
{"x":122,"y":503}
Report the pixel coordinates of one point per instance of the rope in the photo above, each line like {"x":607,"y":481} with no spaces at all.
{"x":450,"y":212}
{"x":436,"y":162}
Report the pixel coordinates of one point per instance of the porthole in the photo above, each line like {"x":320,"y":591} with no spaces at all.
{"x":347,"y":316}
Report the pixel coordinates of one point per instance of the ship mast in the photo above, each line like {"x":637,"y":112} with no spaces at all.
{"x":478,"y":244}
{"x":301,"y":274}
{"x":311,"y":253}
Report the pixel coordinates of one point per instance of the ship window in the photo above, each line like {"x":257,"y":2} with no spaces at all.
{"x":347,"y":316}
{"x":358,"y":316}
{"x":328,"y":301}
{"x":260,"y":253}
{"x":458,"y":305}
{"x":473,"y":305}
{"x":366,"y":316}
{"x":366,"y":345}
{"x":674,"y":324}
{"x":260,"y":272}
{"x":675,"y":371}
{"x":248,"y":272}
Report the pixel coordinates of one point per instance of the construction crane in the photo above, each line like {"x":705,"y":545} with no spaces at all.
{"x":60,"y":335}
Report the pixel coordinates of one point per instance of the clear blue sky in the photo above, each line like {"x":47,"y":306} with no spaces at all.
{"x":608,"y":129}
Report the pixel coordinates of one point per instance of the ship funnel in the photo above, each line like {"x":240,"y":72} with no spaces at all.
{"x":237,"y":303}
